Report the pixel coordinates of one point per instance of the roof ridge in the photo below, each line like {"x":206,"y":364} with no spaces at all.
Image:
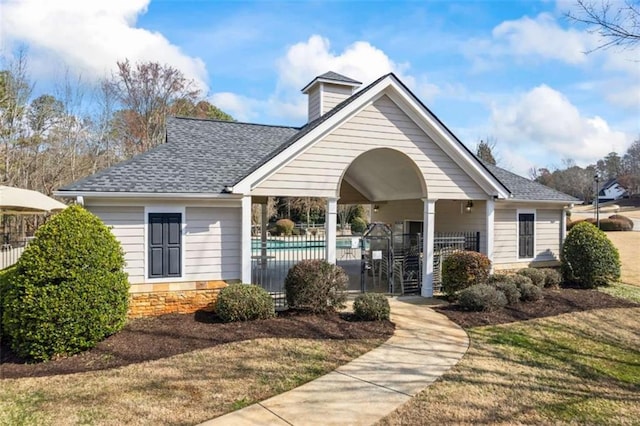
{"x":216,"y":120}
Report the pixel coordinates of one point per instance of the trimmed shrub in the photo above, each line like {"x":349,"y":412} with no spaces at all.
{"x":628,"y":222}
{"x":68,"y":290}
{"x":463,"y":269}
{"x":358,"y":225}
{"x":317,"y":286}
{"x":588,"y":257}
{"x":499,"y":278}
{"x":284,"y":227}
{"x":510,"y":290}
{"x":481,"y":297}
{"x":5,"y":278}
{"x":244,"y":302}
{"x":520,"y":280}
{"x":529,"y":292}
{"x":552,"y":277}
{"x":536,"y":275}
{"x":371,"y":307}
{"x":615,"y":225}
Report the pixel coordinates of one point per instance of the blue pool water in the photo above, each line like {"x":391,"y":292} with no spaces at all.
{"x":341,"y":243}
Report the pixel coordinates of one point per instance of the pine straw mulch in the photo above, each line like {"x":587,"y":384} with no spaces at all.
{"x":555,"y":302}
{"x":149,"y":339}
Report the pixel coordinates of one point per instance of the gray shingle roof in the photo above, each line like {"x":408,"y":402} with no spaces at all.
{"x":199,"y":156}
{"x":204,"y":156}
{"x":330,"y":75}
{"x":524,"y":189}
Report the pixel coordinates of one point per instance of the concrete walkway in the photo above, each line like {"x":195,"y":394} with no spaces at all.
{"x":424,"y":346}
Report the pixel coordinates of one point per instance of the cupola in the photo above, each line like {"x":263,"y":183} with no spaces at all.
{"x":328,"y":90}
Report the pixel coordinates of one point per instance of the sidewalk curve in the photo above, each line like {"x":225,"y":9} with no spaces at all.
{"x":424,"y":346}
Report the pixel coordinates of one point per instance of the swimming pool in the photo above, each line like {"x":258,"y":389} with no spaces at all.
{"x":284,"y":244}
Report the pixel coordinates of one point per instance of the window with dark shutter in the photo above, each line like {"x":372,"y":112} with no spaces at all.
{"x":165,"y":245}
{"x":526,"y":235}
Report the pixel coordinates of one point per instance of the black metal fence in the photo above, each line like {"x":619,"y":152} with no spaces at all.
{"x":445,"y":243}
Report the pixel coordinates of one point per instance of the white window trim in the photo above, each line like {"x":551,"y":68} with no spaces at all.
{"x":405,"y":225}
{"x":165,"y":209}
{"x":535,"y":234}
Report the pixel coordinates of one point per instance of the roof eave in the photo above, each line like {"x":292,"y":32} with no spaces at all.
{"x":525,"y":200}
{"x":156,"y":195}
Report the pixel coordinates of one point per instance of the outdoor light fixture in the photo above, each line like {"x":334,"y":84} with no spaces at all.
{"x":376,"y":208}
{"x":469,"y":206}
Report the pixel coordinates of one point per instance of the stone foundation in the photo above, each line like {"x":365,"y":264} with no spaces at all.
{"x":162,"y":299}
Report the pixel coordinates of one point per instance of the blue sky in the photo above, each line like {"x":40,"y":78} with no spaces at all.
{"x":513,"y":71}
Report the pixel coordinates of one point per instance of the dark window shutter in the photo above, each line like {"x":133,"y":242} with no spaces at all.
{"x":526,"y":235}
{"x":165,"y":245}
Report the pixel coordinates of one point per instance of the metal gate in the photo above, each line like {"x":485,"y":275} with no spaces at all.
{"x":376,"y":273}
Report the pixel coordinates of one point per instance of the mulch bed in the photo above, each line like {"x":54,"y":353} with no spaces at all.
{"x":555,"y":302}
{"x":160,"y":337}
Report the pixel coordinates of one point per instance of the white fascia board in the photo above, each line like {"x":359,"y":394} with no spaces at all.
{"x":516,"y":200}
{"x":446,"y":141}
{"x":282,"y":159}
{"x":306,"y":88}
{"x":160,"y":195}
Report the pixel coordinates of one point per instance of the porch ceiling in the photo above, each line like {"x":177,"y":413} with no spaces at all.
{"x":382,"y":175}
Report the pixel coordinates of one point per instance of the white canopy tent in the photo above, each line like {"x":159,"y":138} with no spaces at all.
{"x":25,"y":201}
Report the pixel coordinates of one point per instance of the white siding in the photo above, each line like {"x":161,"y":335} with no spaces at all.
{"x":505,"y":239}
{"x":333,"y":94}
{"x":212,"y":243}
{"x":127,"y":224}
{"x":316,"y":172}
{"x":547,"y":235}
{"x":314,"y":103}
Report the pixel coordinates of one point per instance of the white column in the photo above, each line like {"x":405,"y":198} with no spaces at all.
{"x":563,"y":224}
{"x":330,"y":223}
{"x":427,"y":250}
{"x":490,"y":223}
{"x":246,"y":240}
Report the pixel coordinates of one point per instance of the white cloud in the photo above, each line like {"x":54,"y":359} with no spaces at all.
{"x":91,"y":36}
{"x":544,"y":122}
{"x":305,"y":60}
{"x":542,"y":37}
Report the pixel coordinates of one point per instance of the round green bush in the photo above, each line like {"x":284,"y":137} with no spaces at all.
{"x":537,"y":276}
{"x":371,"y":307}
{"x":481,"y":297}
{"x":244,"y":302}
{"x":68,"y":290}
{"x":588,"y":258}
{"x":510,"y":290}
{"x":317,"y":286}
{"x":358,"y":225}
{"x":529,"y":292}
{"x":462,"y":269}
{"x":285,"y":227}
{"x":552,"y":277}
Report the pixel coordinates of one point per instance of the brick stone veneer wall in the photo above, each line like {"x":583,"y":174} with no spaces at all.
{"x":167,"y":298}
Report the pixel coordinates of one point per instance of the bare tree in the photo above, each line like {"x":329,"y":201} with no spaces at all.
{"x":15,"y":90}
{"x":617,"y":22}
{"x":146,"y":92}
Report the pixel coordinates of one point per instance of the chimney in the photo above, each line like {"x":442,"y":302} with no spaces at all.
{"x":326,"y":91}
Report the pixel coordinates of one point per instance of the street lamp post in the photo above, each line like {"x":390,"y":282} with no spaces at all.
{"x":596,"y":178}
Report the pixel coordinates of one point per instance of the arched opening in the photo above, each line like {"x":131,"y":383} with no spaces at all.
{"x":381,"y":174}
